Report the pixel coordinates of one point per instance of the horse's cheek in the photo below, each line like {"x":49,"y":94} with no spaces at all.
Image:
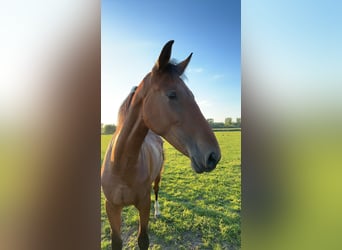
{"x":152,"y":113}
{"x":148,"y":111}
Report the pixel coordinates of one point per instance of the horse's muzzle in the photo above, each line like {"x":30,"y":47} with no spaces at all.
{"x":208,"y":165}
{"x":212,"y":161}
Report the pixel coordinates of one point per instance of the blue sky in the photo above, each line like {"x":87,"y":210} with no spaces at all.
{"x":133,"y":33}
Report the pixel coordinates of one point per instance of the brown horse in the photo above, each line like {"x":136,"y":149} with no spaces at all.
{"x":161,"y":105}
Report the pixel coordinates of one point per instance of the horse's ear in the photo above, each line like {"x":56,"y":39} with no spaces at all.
{"x":182,"y":65}
{"x":164,"y":56}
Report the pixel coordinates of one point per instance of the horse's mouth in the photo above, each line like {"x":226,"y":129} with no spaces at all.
{"x":206,"y":166}
{"x":197,"y":167}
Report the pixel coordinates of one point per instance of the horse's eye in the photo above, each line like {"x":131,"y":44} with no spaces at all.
{"x":171,"y":94}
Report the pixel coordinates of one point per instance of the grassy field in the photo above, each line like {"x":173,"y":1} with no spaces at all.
{"x":198,"y":211}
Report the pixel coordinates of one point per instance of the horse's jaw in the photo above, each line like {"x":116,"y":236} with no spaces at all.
{"x":204,"y":156}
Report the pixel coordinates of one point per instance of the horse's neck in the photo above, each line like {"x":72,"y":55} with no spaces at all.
{"x":126,"y":150}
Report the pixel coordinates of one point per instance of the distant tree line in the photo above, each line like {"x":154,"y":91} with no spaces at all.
{"x":228,"y":123}
{"x":108,"y":129}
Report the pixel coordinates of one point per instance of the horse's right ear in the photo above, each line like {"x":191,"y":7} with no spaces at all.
{"x":164,"y":56}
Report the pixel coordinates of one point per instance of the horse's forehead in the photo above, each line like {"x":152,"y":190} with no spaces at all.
{"x":167,"y":81}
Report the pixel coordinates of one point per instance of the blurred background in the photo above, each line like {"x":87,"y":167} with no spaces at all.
{"x":50,"y":81}
{"x":291,"y":124}
{"x":50,"y":119}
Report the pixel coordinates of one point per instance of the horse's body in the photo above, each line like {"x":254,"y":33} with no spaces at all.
{"x":163,"y":104}
{"x":121,"y":189}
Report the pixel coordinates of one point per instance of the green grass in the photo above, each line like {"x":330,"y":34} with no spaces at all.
{"x":198,"y":211}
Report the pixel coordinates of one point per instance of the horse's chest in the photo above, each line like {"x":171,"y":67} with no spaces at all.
{"x":126,"y":195}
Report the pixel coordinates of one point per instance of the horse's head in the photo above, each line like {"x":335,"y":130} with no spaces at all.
{"x":170,"y":110}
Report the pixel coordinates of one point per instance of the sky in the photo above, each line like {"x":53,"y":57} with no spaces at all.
{"x":134,"y":32}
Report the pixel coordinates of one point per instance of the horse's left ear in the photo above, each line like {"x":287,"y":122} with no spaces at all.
{"x":182,"y":65}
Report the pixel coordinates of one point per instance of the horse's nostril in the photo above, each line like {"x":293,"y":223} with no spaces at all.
{"x":212,"y":161}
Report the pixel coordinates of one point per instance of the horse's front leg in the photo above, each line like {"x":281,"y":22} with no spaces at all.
{"x":114,"y":216}
{"x":156,"y":190}
{"x":144,"y":214}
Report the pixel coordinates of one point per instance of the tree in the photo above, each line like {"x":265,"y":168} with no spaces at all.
{"x":228,"y":122}
{"x":109,"y":129}
{"x":217,"y":125}
{"x":210,"y":121}
{"x":238,"y":122}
